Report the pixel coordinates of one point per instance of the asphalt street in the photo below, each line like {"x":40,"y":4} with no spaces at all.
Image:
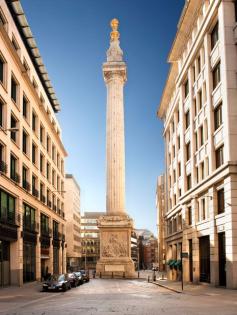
{"x":114,"y":297}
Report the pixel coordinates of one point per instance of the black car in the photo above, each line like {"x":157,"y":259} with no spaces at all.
{"x":57,"y":282}
{"x":73,"y":279}
{"x":85,"y":275}
{"x":79,"y":277}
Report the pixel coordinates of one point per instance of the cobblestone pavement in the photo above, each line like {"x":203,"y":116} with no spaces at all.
{"x":114,"y":297}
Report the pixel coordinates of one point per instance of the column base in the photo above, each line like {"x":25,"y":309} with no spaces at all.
{"x":115,"y":247}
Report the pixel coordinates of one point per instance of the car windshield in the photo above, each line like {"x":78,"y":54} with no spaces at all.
{"x":56,"y":278}
{"x":78,"y":274}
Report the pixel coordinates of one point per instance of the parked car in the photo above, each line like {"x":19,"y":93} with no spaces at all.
{"x":85,"y":275}
{"x":73,"y":279}
{"x":57,"y":282}
{"x":79,"y":276}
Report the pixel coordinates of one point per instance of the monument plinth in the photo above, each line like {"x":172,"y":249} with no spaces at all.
{"x":116,"y":226}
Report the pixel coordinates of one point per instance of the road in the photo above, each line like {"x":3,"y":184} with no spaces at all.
{"x":114,"y":297}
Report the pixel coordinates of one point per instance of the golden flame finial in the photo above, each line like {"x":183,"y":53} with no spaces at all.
{"x":114,"y":35}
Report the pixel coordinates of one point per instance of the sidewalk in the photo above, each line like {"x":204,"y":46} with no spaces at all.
{"x":195,"y":289}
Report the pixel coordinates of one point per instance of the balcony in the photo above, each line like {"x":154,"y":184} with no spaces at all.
{"x":15,"y":177}
{"x":32,"y":227}
{"x":26,"y":185}
{"x":8,"y":224}
{"x":3,"y":167}
{"x":35,"y":192}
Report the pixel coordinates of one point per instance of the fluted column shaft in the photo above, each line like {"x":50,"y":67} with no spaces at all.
{"x":115,"y":146}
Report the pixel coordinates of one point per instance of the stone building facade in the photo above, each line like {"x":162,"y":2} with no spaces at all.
{"x":160,"y":205}
{"x":73,"y":223}
{"x":198,"y":107}
{"x":32,"y":223}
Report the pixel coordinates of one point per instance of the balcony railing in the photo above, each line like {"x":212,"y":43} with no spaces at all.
{"x":16,"y":177}
{"x":26,"y":185}
{"x":45,"y":232}
{"x":31,"y":227}
{"x":3,"y":167}
{"x":35,"y":192}
{"x":57,"y":236}
{"x":7,"y":217}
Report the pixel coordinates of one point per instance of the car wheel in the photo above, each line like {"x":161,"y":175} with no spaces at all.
{"x":64,"y":288}
{"x":45,"y":289}
{"x":69,"y":287}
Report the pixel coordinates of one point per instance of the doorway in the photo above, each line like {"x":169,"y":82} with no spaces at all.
{"x":204,"y":256}
{"x":4,"y":263}
{"x":222,"y":259}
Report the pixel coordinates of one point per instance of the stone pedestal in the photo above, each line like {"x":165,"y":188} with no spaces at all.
{"x":115,"y":246}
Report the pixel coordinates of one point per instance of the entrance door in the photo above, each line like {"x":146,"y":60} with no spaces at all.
{"x":204,"y":255}
{"x":28,"y":262}
{"x":222,"y":259}
{"x":4,"y":263}
{"x":190,"y":243}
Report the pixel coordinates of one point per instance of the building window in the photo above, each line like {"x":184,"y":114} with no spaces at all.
{"x":3,"y":20}
{"x":199,"y":64}
{"x":201,"y":135}
{"x":187,"y":119}
{"x":15,"y":44}
{"x":1,"y":114}
{"x":186,"y":88}
{"x":220,"y":201}
{"x":34,"y":185}
{"x":216,"y":75}
{"x":13,"y":169}
{"x":189,"y":182}
{"x":178,"y":116}
{"x":179,"y":169}
{"x":2,"y":69}
{"x":53,"y":177}
{"x":34,"y":121}
{"x":25,"y":183}
{"x":29,"y":218}
{"x":41,"y":134}
{"x":41,"y":163}
{"x":25,"y":107}
{"x":13,"y":125}
{"x":47,"y":143}
{"x":202,"y":170}
{"x":7,"y":207}
{"x":44,"y":224}
{"x":214,"y":35}
{"x":33,"y":153}
{"x":47,"y":171}
{"x":218,"y":116}
{"x":24,"y":142}
{"x":200,"y":99}
{"x":14,"y":89}
{"x":188,"y":151}
{"x":53,"y":152}
{"x":219,"y":156}
{"x":203,"y":201}
{"x":178,"y":142}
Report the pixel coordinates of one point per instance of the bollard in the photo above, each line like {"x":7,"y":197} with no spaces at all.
{"x":138,"y":274}
{"x":154,"y":278}
{"x":148,"y":279}
{"x":112,"y":274}
{"x":123,"y":274}
{"x":100,"y":274}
